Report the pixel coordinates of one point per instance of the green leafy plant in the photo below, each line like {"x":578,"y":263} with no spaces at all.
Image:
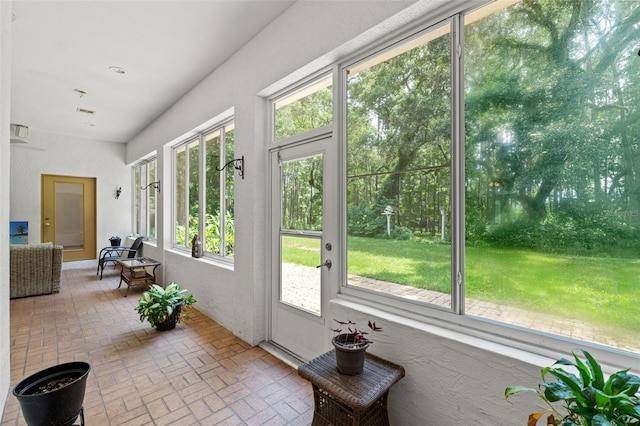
{"x":353,"y":337}
{"x":157,"y":303}
{"x":587,"y":399}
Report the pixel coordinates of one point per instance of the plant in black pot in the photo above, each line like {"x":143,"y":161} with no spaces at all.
{"x":351,"y":346}
{"x":164,"y":307}
{"x":586,"y":399}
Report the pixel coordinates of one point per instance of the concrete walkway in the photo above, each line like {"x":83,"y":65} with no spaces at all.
{"x":301,"y":289}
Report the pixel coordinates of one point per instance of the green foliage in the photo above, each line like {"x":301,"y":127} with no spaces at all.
{"x":566,"y":232}
{"x":212,"y":229}
{"x":401,"y":233}
{"x":157,"y":304}
{"x":365,"y":220}
{"x":586,"y":399}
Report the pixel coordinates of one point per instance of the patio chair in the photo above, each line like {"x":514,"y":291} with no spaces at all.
{"x":113,"y":254}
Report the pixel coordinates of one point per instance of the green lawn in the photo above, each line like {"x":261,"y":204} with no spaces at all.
{"x":600,"y":290}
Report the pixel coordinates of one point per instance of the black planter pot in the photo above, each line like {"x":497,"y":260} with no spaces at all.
{"x":349,"y":357}
{"x":170,"y":322}
{"x":115,"y":242}
{"x":53,"y":396}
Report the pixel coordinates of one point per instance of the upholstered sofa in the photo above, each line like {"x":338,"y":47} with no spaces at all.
{"x":34,"y":269}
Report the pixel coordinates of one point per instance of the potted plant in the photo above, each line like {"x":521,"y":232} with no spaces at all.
{"x":164,"y":307}
{"x":351,"y":347}
{"x":587,"y":399}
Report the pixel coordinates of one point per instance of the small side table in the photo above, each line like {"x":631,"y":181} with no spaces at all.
{"x":350,"y":400}
{"x":134,"y":272}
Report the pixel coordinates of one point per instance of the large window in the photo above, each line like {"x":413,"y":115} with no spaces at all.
{"x":199,"y":181}
{"x":399,"y":168}
{"x":144,"y":199}
{"x":545,"y":156}
{"x":553,"y":167}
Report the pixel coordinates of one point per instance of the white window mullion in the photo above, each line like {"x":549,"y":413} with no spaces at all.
{"x":202,"y":196}
{"x":222,"y":183}
{"x":457,"y":169}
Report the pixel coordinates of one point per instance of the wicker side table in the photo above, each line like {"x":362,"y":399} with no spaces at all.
{"x":350,"y":400}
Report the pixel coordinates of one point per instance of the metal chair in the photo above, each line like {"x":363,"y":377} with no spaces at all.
{"x":113,"y":254}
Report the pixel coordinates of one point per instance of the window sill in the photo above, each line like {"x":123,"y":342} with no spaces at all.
{"x":529,"y":346}
{"x":218,"y":262}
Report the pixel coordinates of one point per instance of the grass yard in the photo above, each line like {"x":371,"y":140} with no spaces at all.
{"x":600,"y":290}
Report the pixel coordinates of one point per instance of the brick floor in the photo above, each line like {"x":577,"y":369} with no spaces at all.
{"x":197,"y":374}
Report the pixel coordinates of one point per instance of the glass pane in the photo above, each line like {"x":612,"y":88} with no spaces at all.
{"x":70,"y":215}
{"x":137,"y":198}
{"x":302,"y":194}
{"x":151,"y":205}
{"x":229,"y":222}
{"x":180,"y":196}
{"x":194,"y":189}
{"x":300,"y":280}
{"x":212,"y":202}
{"x":398,"y":171}
{"x":307,"y":109}
{"x":551,"y":157}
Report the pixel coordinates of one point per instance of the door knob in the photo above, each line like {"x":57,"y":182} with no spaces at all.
{"x":326,"y":263}
{"x":46,"y":224}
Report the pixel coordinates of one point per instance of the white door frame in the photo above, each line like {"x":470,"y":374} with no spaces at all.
{"x":302,"y":334}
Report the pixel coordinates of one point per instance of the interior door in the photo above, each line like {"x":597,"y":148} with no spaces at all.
{"x":302,"y":255}
{"x":69,"y":215}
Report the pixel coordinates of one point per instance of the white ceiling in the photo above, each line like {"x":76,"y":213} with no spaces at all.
{"x":165,"y":47}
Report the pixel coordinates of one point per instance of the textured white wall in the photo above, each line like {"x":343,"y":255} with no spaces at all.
{"x":63,"y":155}
{"x":5,"y":90}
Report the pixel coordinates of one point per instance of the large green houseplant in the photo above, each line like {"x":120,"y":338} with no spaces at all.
{"x":164,"y":307}
{"x":586,"y":399}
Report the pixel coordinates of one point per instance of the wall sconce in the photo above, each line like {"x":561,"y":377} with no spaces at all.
{"x":118,"y":192}
{"x":156,"y":185}
{"x":238,"y":164}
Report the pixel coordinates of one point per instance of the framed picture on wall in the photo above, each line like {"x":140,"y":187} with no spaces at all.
{"x":18,"y":232}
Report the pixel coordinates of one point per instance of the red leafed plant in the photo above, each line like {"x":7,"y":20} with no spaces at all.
{"x":354,"y":336}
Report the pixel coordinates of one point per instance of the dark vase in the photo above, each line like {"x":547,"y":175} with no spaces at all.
{"x":349,"y":357}
{"x":171,"y":321}
{"x":53,"y":396}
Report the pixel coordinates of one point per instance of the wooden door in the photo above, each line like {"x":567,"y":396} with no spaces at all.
{"x":69,"y":215}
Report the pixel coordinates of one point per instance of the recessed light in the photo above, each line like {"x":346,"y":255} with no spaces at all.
{"x":117,"y":70}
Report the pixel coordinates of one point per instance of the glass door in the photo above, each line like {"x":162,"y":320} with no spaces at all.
{"x":302,"y":258}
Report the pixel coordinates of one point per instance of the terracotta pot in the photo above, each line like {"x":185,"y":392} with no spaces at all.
{"x":349,"y":357}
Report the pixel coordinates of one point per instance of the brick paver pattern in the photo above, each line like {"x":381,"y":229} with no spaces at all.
{"x":196,"y":374}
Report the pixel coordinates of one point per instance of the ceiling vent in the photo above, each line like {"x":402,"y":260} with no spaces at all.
{"x":85,"y":111}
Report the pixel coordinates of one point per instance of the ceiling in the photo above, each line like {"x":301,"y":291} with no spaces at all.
{"x":62,"y":52}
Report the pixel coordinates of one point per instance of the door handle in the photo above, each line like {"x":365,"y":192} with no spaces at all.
{"x":326,"y":263}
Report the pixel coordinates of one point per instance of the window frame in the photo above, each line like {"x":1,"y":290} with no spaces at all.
{"x":144,"y":191}
{"x":453,"y":322}
{"x":200,"y":136}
